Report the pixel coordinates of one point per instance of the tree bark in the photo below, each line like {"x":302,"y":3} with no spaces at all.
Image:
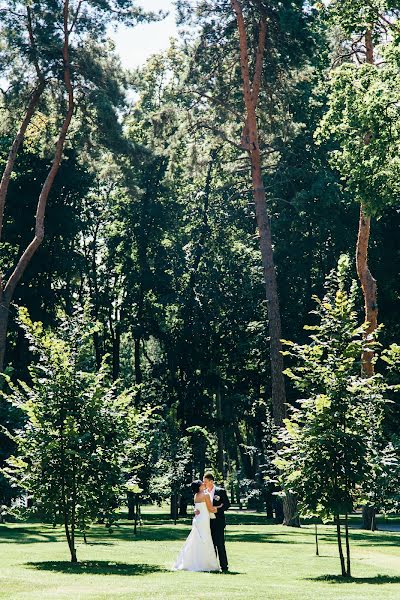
{"x":340,"y":548}
{"x":348,"y":559}
{"x":368,"y":286}
{"x":30,"y":250}
{"x":250,"y":142}
{"x":12,"y":156}
{"x":4,"y":313}
{"x":368,"y":283}
{"x":369,"y":517}
{"x":31,"y":108}
{"x":291,"y":516}
{"x":220,"y":434}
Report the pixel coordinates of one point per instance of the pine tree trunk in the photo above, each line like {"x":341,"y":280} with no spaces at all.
{"x":250,"y":142}
{"x":7,"y":289}
{"x":368,"y":283}
{"x":368,"y":286}
{"x":4,"y":312}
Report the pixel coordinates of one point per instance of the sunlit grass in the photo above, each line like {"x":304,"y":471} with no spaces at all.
{"x":267,"y":562}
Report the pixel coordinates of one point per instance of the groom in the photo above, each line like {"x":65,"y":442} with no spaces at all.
{"x":218,"y":496}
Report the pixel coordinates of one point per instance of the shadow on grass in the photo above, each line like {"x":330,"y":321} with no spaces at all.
{"x":23,"y":535}
{"x":98,"y":567}
{"x":231,"y":518}
{"x":261,"y":538}
{"x":367,"y":539}
{"x":175,"y":534}
{"x":378,"y":579}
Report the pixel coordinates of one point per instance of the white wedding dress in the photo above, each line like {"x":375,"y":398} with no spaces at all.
{"x":198,"y":553}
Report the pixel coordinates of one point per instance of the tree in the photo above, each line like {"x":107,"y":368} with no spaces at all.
{"x":69,"y":449}
{"x":362,"y":109}
{"x":327,"y":458}
{"x":250,"y":141}
{"x":51,"y":39}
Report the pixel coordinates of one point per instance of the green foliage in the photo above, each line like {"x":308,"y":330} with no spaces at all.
{"x":355,"y":16}
{"x":363,"y":120}
{"x":70,"y":446}
{"x":328,"y":453}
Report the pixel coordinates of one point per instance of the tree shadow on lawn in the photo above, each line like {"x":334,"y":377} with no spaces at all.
{"x":231,"y":518}
{"x":367,"y":539}
{"x":377,"y":579}
{"x":24,"y":535}
{"x":98,"y":567}
{"x":172,"y":534}
{"x":262,"y":538}
{"x":150,"y":534}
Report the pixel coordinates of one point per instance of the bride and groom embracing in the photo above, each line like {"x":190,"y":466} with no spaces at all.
{"x":207,"y":536}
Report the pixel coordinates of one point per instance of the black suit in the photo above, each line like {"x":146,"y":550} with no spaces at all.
{"x":218,"y":526}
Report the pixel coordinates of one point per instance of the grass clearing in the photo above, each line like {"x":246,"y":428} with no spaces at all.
{"x":267,"y":562}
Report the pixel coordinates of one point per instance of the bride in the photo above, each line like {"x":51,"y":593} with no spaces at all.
{"x":198,"y":553}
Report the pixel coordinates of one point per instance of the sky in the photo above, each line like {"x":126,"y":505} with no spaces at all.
{"x":135,"y":45}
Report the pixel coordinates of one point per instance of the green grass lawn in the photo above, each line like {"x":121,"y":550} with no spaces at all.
{"x":267,"y":562}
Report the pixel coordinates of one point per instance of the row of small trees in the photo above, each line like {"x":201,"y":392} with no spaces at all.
{"x":83,"y":445}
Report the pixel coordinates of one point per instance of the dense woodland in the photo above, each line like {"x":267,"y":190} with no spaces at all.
{"x":170,"y":226}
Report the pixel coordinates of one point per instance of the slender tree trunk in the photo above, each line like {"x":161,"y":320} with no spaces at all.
{"x":12,"y":156}
{"x":368,"y":286}
{"x":138,"y":368}
{"x":340,"y":548}
{"x":367,"y":281}
{"x":70,"y":541}
{"x":316,"y":540}
{"x":220,"y":434}
{"x":174,"y":506}
{"x":4,"y":313}
{"x":246,"y":462}
{"x":30,"y":111}
{"x":250,"y":141}
{"x":131,"y":505}
{"x":348,"y":559}
{"x":30,"y":250}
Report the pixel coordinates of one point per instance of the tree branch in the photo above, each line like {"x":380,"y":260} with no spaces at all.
{"x":44,"y":194}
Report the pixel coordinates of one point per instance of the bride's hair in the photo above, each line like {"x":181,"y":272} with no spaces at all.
{"x":195,"y":485}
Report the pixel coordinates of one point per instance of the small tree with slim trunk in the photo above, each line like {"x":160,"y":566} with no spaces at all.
{"x":70,"y":448}
{"x":363,"y":121}
{"x":326,"y":456}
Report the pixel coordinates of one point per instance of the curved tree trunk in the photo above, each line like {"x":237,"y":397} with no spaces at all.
{"x":369,"y":287}
{"x":368,"y":283}
{"x":7,"y":291}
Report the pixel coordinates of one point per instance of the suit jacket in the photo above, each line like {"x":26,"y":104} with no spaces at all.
{"x":220,"y":497}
